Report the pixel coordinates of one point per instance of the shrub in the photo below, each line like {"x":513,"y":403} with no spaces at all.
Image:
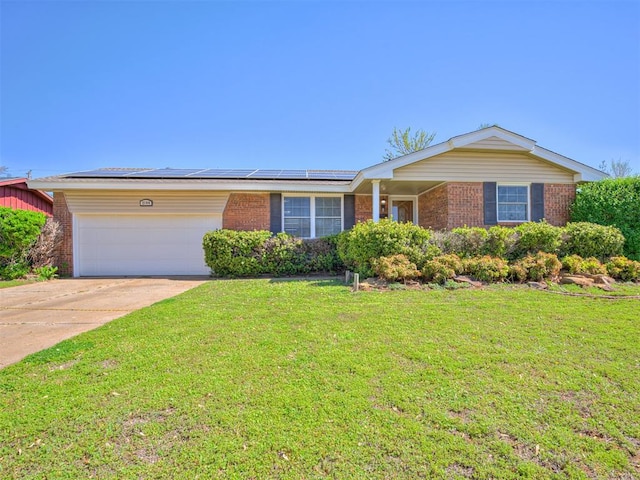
{"x":470,"y":241}
{"x":46,"y":272}
{"x":624,"y":268}
{"x":231,"y":253}
{"x":396,"y":267}
{"x":575,"y":264}
{"x":500,"y":242}
{"x":442,"y":268}
{"x":616,"y":202}
{"x":42,"y":252}
{"x":281,"y":254}
{"x":321,"y":254}
{"x":19,"y":230}
{"x":538,"y":267}
{"x":536,"y":237}
{"x":572,"y":263}
{"x":487,"y":268}
{"x":591,"y":240}
{"x":368,"y":241}
{"x":517,"y":273}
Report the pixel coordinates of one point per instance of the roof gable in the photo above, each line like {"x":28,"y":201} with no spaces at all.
{"x":490,"y":138}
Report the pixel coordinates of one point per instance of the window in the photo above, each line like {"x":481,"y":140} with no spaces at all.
{"x":513,"y":203}
{"x":310,"y":217}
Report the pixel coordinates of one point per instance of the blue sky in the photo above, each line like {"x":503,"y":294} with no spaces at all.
{"x":308,"y":84}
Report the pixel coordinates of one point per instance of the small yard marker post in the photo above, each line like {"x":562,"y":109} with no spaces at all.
{"x":347,"y":277}
{"x":356,"y":282}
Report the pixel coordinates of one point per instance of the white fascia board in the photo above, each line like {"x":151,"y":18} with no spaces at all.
{"x":246,"y":186}
{"x":583,"y":173}
{"x":462,"y":141}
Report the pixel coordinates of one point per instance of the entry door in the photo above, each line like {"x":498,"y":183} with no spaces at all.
{"x":402,"y":210}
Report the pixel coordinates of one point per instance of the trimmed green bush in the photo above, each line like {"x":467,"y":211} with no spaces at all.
{"x":469,"y":241}
{"x":366,"y":242}
{"x":19,"y":230}
{"x":231,"y":253}
{"x":396,"y":267}
{"x":624,"y":269}
{"x":500,"y":242}
{"x":534,"y":237}
{"x":592,"y":240}
{"x":486,"y":268}
{"x":615,"y":202}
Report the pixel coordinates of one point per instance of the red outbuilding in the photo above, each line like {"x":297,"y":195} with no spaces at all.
{"x":14,"y":193}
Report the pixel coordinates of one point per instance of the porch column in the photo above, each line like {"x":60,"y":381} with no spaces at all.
{"x":375,"y":184}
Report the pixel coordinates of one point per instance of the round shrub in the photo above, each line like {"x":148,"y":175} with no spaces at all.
{"x":536,"y":237}
{"x":231,"y":253}
{"x":396,"y":267}
{"x":591,"y":240}
{"x":364,"y":243}
{"x":500,"y":241}
{"x":624,"y":269}
{"x":470,"y":241}
{"x":487,"y":268}
{"x":575,"y":264}
{"x":442,"y":268}
{"x":539,"y":266}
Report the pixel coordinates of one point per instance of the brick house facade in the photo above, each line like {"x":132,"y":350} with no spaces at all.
{"x":133,"y":221}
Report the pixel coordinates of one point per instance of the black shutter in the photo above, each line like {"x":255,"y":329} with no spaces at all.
{"x":275,"y":208}
{"x":537,"y":202}
{"x":349,"y":211}
{"x":490,"y":203}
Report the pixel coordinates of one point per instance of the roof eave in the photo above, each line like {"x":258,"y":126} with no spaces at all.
{"x":141,"y":184}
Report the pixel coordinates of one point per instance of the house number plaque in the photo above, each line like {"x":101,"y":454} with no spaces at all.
{"x":145,"y":202}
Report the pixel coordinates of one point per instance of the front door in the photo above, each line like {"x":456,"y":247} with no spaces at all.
{"x":402,"y":210}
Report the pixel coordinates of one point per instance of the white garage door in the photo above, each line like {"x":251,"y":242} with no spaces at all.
{"x":142,"y":245}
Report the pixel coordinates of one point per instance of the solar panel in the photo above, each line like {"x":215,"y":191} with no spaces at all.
{"x":166,"y":173}
{"x":222,"y":173}
{"x":213,"y":173}
{"x":105,"y":173}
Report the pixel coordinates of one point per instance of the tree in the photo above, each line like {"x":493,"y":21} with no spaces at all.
{"x":616,"y":168}
{"x":403,"y":143}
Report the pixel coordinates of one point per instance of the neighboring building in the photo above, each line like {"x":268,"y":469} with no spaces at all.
{"x":14,"y":193}
{"x":151,"y":222}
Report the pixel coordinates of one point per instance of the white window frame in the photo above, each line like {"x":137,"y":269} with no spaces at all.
{"x":312,"y":213}
{"x":513,"y":184}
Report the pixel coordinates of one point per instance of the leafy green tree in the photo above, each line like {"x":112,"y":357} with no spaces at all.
{"x":403,"y":143}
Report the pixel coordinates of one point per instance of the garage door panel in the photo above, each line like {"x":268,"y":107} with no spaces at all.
{"x":142,"y":245}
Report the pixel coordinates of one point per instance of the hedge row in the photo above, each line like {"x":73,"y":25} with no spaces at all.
{"x":360,"y":247}
{"x":614,"y":201}
{"x":533,"y":267}
{"x":231,"y":253}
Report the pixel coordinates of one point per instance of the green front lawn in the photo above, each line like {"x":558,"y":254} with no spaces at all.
{"x":305,"y":379}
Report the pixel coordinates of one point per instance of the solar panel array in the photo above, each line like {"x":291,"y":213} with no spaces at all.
{"x":212,"y":173}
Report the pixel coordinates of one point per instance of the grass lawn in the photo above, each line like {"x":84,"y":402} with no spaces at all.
{"x":14,"y":283}
{"x":305,"y":379}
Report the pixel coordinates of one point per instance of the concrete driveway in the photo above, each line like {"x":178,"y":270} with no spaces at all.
{"x":39,"y":315}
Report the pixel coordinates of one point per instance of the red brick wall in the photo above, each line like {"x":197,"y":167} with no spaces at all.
{"x":64,"y":254}
{"x":466,"y":205}
{"x":433,"y":208}
{"x":247,"y":211}
{"x":364,"y":208}
{"x":557,"y":201}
